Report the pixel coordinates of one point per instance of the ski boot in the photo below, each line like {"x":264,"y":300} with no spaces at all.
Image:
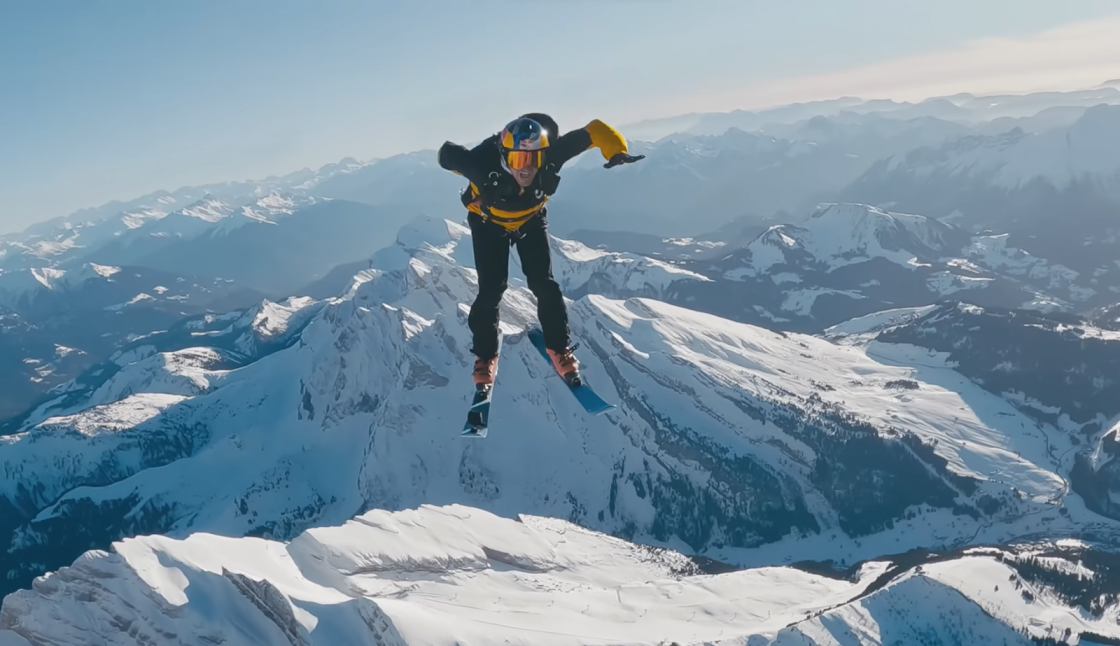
{"x":566,"y":366}
{"x":485,"y":370}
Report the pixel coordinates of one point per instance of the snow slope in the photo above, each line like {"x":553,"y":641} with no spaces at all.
{"x":461,"y":575}
{"x":729,"y":440}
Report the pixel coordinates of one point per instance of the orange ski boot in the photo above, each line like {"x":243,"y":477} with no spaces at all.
{"x":566,"y":366}
{"x":485,"y":370}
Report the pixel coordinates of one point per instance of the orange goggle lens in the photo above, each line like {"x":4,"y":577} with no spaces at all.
{"x":518,"y":159}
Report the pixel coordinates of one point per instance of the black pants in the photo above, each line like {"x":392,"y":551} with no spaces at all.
{"x":491,"y":259}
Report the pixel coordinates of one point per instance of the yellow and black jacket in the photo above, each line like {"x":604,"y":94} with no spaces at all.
{"x":496,"y":197}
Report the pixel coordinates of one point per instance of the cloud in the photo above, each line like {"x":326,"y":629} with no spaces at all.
{"x":1071,"y":57}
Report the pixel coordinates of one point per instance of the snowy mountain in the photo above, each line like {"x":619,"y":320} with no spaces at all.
{"x":1056,"y":192}
{"x":279,"y":255}
{"x":773,"y":164}
{"x":733,"y":235}
{"x":274,"y":243}
{"x":178,"y":214}
{"x":716,"y":123}
{"x":722,"y":177}
{"x":580,"y":269}
{"x":963,"y":108}
{"x":413,"y":182}
{"x":871,"y":135}
{"x":1059,"y":370}
{"x":843,"y":234}
{"x":717,"y":179}
{"x":848,"y":260}
{"x":55,"y":323}
{"x":744,"y":445}
{"x":206,"y":217}
{"x":61,"y":239}
{"x":713,"y":168}
{"x":461,"y":575}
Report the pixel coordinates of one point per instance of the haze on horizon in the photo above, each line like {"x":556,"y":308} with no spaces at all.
{"x":111,"y":100}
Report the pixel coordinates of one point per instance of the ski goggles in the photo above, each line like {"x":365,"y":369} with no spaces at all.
{"x":518,"y":159}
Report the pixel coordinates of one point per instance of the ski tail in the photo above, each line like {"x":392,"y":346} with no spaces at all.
{"x":478,"y":415}
{"x":583,"y":392}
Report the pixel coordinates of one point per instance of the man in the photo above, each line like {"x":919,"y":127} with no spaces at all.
{"x":512,"y":174}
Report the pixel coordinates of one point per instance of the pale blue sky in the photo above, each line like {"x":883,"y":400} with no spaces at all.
{"x":104,"y":100}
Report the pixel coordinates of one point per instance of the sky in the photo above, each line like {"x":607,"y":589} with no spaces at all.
{"x":104,"y":100}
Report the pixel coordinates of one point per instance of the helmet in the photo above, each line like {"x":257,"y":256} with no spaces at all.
{"x":523,"y":142}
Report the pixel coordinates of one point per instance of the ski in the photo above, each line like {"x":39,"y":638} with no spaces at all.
{"x":478,"y":415}
{"x":584,"y":394}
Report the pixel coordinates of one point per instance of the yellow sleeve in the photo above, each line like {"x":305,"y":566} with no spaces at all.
{"x":609,"y":141}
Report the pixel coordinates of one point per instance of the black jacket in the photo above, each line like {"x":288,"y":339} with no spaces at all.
{"x":496,"y":196}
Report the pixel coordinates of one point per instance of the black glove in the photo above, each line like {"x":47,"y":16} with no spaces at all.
{"x":622,"y":158}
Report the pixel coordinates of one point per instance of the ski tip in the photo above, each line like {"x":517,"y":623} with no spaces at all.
{"x":474,"y":433}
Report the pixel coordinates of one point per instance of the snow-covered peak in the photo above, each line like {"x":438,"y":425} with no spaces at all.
{"x":862,"y":229}
{"x":185,"y":223}
{"x":877,"y":322}
{"x":16,"y":285}
{"x":454,"y":574}
{"x":103,"y":271}
{"x":259,"y":327}
{"x":24,"y":286}
{"x":268,"y":209}
{"x":209,"y":210}
{"x":272,"y":319}
{"x":52,"y":278}
{"x":1082,"y":152}
{"x":423,"y":232}
{"x":1087,"y":150}
{"x":275,"y":203}
{"x":842,"y":234}
{"x":137,"y":218}
{"x":581,"y":268}
{"x":577,"y":268}
{"x":48,"y":277}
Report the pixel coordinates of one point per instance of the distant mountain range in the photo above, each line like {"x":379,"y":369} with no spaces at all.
{"x":852,"y":259}
{"x":55,"y":323}
{"x":775,"y":165}
{"x":961,"y":108}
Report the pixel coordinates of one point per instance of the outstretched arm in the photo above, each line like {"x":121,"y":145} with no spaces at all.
{"x":596,"y":134}
{"x":459,"y":160}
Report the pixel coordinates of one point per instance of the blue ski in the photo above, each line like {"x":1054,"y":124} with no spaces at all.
{"x":478,"y":417}
{"x":584,"y":394}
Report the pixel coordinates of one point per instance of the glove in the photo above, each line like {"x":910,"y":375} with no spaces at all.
{"x":622,"y":158}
